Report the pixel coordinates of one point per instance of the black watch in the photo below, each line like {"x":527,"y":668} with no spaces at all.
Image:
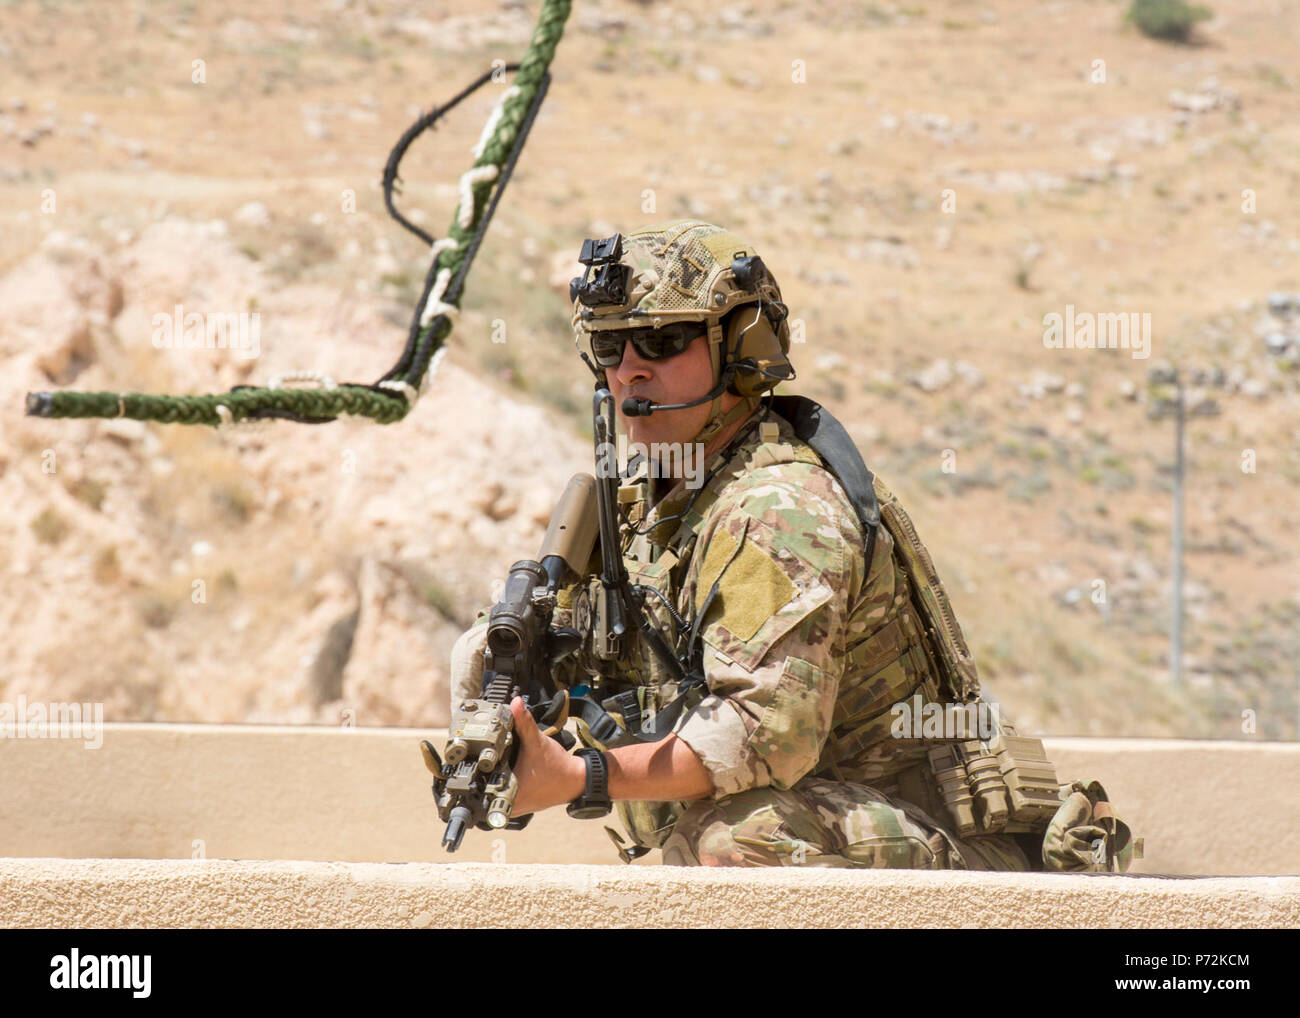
{"x":594,"y":802}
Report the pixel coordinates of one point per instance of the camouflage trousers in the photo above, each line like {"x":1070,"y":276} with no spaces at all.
{"x":828,"y":824}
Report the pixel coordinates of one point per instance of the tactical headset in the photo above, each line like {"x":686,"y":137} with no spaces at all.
{"x":757,"y":340}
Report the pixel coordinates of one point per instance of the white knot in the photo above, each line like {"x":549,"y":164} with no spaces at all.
{"x":408,"y":391}
{"x":435,"y":306}
{"x":472,"y":176}
{"x":433,"y":367}
{"x":493,"y":119}
{"x":324,"y":381}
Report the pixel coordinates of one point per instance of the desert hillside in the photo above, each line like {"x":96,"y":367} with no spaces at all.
{"x":928,"y":183}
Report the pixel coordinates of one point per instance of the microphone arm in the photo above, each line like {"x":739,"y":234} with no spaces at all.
{"x":633,"y":407}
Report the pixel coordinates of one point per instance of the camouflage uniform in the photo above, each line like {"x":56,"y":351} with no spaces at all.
{"x":805,"y":652}
{"x":794,"y":601}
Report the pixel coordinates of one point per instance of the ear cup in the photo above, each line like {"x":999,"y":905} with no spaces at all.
{"x":758,"y":342}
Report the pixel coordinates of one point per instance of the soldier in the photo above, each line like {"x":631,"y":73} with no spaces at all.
{"x":808,"y":616}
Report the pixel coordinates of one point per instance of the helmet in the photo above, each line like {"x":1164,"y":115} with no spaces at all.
{"x":686,"y":270}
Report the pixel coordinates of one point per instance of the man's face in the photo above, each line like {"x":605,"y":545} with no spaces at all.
{"x":677,"y":379}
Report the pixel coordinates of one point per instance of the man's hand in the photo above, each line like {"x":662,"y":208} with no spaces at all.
{"x":547,"y":775}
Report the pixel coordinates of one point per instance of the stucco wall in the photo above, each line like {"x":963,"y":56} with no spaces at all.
{"x":362,"y":795}
{"x":93,"y":893}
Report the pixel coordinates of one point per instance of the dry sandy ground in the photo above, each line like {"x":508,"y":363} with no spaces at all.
{"x":927,"y":183}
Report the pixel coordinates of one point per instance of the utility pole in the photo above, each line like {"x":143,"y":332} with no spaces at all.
{"x":1180,"y":467}
{"x":1161,"y":405}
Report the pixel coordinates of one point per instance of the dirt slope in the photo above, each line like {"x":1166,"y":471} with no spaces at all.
{"x":927,"y":184}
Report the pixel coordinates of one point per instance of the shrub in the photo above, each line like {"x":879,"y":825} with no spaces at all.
{"x":1166,"y":19}
{"x":49,"y":527}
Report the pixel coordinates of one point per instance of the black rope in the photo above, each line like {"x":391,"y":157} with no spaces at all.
{"x":415,"y":356}
{"x":419,"y":348}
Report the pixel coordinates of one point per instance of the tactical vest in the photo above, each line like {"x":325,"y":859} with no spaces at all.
{"x":917,"y":655}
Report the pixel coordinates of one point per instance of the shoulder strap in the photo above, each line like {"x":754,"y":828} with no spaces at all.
{"x":814,"y":424}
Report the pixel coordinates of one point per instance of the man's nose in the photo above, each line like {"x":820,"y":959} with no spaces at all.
{"x":633,"y":367}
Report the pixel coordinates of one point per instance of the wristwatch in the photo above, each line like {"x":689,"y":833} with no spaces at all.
{"x":594,"y":802}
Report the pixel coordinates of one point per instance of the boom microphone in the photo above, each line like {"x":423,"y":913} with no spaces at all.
{"x":633,"y":407}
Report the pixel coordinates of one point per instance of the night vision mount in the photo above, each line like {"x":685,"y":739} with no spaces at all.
{"x":609,"y":286}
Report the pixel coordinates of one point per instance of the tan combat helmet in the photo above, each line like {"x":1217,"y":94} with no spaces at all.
{"x":690,"y":271}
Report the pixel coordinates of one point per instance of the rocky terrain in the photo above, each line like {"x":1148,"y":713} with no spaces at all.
{"x":927,"y":183}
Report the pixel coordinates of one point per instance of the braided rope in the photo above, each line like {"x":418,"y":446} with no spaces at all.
{"x":391,"y":398}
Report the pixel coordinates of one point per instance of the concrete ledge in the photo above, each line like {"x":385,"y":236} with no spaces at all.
{"x":362,"y":795}
{"x":175,"y":893}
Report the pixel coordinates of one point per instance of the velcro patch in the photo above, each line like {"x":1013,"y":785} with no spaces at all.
{"x":725,"y":246}
{"x":751,"y":586}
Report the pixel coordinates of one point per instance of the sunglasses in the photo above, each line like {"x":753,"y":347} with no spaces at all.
{"x":652,"y":344}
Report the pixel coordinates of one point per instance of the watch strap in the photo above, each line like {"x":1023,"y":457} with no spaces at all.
{"x":594,"y":801}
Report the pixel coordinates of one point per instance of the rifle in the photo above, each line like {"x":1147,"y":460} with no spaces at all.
{"x":474,"y":781}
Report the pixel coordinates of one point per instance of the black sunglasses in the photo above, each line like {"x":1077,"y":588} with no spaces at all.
{"x":653,"y":344}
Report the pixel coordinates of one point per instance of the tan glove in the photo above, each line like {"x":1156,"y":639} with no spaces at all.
{"x":467,"y":664}
{"x":1086,"y":834}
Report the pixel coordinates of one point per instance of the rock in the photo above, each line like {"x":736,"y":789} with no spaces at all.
{"x":1281,"y":304}
{"x":1041,"y":384}
{"x":743,"y":20}
{"x":969,"y":374}
{"x":254,"y":213}
{"x":51,"y":301}
{"x":890,"y":251}
{"x":601,"y":22}
{"x":494,"y":502}
{"x":393,"y":670}
{"x":1191,"y":102}
{"x":936,"y":376}
{"x":1278,"y":343}
{"x":1208,"y":96}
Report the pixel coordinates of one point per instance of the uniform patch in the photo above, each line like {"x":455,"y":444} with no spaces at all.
{"x":751,"y":586}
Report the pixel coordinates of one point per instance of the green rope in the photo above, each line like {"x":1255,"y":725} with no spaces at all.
{"x":384,"y":406}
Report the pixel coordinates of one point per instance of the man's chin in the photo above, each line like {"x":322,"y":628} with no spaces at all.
{"x":647,"y":431}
